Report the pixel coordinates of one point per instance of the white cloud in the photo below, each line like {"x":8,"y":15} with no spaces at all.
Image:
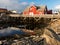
{"x":12,"y":4}
{"x":57,"y":7}
{"x":31,"y":3}
{"x":24,"y":3}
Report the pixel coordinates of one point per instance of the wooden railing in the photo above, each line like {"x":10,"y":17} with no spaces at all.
{"x":40,"y":16}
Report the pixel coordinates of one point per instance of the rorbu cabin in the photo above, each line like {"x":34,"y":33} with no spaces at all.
{"x":36,"y":10}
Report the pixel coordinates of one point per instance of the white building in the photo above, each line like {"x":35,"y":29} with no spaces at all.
{"x":56,"y":12}
{"x":13,"y":11}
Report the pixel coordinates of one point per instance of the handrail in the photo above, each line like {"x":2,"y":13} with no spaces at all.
{"x":40,"y":16}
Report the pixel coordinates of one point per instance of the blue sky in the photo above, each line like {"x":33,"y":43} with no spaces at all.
{"x":50,"y":3}
{"x":20,"y":5}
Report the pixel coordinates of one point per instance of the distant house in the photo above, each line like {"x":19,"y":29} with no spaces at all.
{"x":13,"y":11}
{"x":3,"y":11}
{"x":33,"y":10}
{"x":49,"y":12}
{"x":56,"y":12}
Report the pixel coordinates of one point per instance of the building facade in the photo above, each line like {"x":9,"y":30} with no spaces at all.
{"x":34,"y":10}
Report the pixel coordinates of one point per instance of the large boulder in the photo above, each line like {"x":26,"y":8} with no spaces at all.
{"x":51,"y":37}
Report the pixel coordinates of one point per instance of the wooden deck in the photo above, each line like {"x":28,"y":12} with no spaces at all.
{"x":40,"y":16}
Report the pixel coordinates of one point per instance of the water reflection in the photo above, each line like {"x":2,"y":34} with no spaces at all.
{"x":10,"y":31}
